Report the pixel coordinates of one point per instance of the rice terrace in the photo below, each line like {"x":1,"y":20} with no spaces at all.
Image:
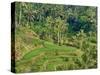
{"x":54,"y":37}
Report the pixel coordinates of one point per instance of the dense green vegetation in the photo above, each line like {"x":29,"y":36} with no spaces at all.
{"x":55,"y":37}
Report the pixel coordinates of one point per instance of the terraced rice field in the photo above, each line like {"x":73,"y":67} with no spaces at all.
{"x":51,"y":57}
